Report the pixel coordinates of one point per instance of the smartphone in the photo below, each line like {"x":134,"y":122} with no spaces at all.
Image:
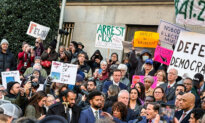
{"x":100,"y":71}
{"x":167,"y":113}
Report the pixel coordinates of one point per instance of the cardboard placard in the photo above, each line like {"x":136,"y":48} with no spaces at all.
{"x":163,"y":55}
{"x":146,"y":39}
{"x":10,"y":76}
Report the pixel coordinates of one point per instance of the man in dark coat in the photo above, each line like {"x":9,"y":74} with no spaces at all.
{"x":7,"y":60}
{"x":187,"y":104}
{"x":68,"y":109}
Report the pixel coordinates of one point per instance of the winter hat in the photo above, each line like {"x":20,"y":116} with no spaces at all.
{"x":11,"y":110}
{"x":4,"y":41}
{"x":79,"y":43}
{"x":53,"y":119}
{"x":75,"y":44}
{"x":53,"y":44}
{"x":68,"y":54}
{"x":79,"y":78}
{"x":10,"y":85}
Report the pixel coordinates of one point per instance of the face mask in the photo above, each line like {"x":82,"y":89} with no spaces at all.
{"x":145,"y":58}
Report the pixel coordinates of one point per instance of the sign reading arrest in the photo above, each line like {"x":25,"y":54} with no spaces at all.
{"x":188,"y":57}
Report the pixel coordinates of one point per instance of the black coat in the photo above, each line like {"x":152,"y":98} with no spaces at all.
{"x":7,"y":61}
{"x":178,"y":115}
{"x":58,"y":109}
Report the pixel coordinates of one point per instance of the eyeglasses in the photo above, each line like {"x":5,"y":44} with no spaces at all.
{"x":187,"y":83}
{"x":37,"y":42}
{"x":157,"y":92}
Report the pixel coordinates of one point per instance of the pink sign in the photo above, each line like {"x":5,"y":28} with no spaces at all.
{"x":163,"y":55}
{"x":136,"y":79}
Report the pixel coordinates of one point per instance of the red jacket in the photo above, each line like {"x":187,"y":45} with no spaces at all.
{"x":23,"y":58}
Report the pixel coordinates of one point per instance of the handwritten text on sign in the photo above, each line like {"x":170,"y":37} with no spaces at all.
{"x":110,"y":36}
{"x":169,"y":32}
{"x":146,"y":39}
{"x":189,"y":54}
{"x":63,"y":72}
{"x":190,"y":12}
{"x":163,"y":55}
{"x":36,"y":30}
{"x":10,"y":76}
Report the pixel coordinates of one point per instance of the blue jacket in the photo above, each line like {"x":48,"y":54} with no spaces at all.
{"x":108,"y":83}
{"x":87,"y":116}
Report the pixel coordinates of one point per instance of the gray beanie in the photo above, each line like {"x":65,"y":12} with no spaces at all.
{"x":4,"y":41}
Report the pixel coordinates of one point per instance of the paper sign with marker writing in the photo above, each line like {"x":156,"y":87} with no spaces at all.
{"x":137,"y":78}
{"x":10,"y":76}
{"x":163,"y":55}
{"x":63,"y":72}
{"x":169,"y":32}
{"x":189,"y":54}
{"x":109,"y":36}
{"x":36,"y":30}
{"x":146,"y":39}
{"x":190,"y":12}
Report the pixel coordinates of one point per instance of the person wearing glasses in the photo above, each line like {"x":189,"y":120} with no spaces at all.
{"x":159,"y":95}
{"x":38,"y":47}
{"x":170,"y":86}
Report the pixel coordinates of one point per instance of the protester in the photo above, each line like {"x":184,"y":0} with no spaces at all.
{"x":113,"y":91}
{"x":49,"y":101}
{"x":124,"y":78}
{"x":119,"y":110}
{"x":187,"y":104}
{"x":116,"y":81}
{"x":170,"y":87}
{"x":38,"y":47}
{"x":73,"y":48}
{"x":68,"y":109}
{"x":48,"y":56}
{"x":148,"y":81}
{"x":95,"y":61}
{"x":93,"y":113}
{"x":101,"y":75}
{"x":113,"y":62}
{"x":7,"y":60}
{"x":198,"y":82}
{"x":161,"y":77}
{"x":141,"y":89}
{"x":35,"y":109}
{"x":25,"y":58}
{"x":159,"y":95}
{"x":36,"y":66}
{"x":196,"y":115}
{"x":135,"y":101}
{"x":178,"y":100}
{"x":147,"y":68}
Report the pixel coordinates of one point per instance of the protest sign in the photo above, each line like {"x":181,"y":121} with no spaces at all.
{"x":10,"y":76}
{"x":63,"y":72}
{"x":110,"y":37}
{"x":36,"y":30}
{"x":169,"y":32}
{"x":146,"y":39}
{"x":188,"y":57}
{"x":136,"y":79}
{"x":190,"y":12}
{"x":163,"y":55}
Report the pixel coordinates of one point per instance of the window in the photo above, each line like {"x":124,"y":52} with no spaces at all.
{"x":66,"y":39}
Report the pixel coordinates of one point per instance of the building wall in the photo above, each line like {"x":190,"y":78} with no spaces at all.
{"x":86,"y":17}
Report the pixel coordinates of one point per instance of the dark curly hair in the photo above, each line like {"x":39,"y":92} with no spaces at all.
{"x":121,"y":107}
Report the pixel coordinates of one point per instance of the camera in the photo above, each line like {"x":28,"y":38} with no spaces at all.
{"x":33,"y":84}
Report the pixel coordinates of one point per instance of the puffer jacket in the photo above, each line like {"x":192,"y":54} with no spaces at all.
{"x":7,"y":61}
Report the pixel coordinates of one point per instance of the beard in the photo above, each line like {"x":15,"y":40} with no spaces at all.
{"x":97,"y":106}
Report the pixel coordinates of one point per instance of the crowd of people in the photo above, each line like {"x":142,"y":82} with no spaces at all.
{"x":103,"y":90}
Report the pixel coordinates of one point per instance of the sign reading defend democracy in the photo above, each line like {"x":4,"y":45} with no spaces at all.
{"x":63,"y":72}
{"x":169,"y":32}
{"x":146,"y":39}
{"x":163,"y":55}
{"x":190,"y":12}
{"x":110,"y":37}
{"x":36,"y":30}
{"x":189,"y":54}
